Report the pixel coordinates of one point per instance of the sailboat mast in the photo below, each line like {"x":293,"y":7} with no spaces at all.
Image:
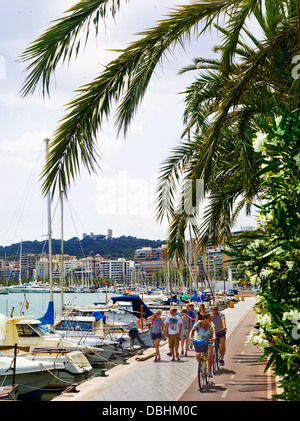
{"x":20,"y":269}
{"x":62,"y":251}
{"x":49,"y":236}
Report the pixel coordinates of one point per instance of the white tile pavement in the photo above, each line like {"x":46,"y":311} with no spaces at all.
{"x":149,"y":381}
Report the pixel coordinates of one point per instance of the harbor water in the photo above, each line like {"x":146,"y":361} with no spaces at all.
{"x":36,"y":304}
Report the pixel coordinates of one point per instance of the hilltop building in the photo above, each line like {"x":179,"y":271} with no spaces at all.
{"x":97,"y":236}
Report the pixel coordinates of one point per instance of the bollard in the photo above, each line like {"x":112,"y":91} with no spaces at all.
{"x":231,"y":304}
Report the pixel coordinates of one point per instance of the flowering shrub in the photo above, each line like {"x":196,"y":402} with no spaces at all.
{"x":272,"y":258}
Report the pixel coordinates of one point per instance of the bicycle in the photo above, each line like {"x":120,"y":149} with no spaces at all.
{"x":201,"y":347}
{"x":216,"y":353}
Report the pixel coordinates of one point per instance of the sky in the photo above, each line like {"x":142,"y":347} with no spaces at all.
{"x":121,"y":195}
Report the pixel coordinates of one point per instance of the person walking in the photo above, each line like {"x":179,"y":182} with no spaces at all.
{"x":185,"y":332}
{"x":218,"y":319}
{"x":200,"y":312}
{"x":173,"y":327}
{"x":191,"y":312}
{"x":157,"y":328}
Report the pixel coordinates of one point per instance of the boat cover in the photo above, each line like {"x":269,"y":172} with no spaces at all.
{"x":136,"y":302}
{"x":98,"y":316}
{"x":48,"y":318}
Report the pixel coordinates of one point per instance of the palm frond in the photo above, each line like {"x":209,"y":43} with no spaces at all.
{"x":169,"y":180}
{"x":62,"y":40}
{"x":178,"y":227}
{"x":245,"y":76}
{"x":130,"y":73}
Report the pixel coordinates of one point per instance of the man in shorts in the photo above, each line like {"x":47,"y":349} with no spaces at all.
{"x":218,"y":319}
{"x":173,"y":326}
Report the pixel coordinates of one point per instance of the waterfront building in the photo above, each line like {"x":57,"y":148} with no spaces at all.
{"x":216,"y":263}
{"x":149,"y":261}
{"x":117,"y":270}
{"x":143,"y":254}
{"x":70,"y":263}
{"x":11,"y":270}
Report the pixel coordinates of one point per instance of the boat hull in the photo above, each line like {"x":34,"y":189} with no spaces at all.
{"x":31,"y":385}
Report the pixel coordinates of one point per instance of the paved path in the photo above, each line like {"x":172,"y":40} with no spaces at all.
{"x":242,"y":378}
{"x":172,"y":381}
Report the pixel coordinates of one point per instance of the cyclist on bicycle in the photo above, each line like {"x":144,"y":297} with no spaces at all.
{"x":205,"y":329}
{"x":218,"y":319}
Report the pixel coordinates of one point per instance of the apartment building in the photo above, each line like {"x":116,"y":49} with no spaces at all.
{"x":70,"y":264}
{"x":148,"y":261}
{"x":116,"y":270}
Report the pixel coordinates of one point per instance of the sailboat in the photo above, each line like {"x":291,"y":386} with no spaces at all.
{"x":109,"y":349}
{"x":3,"y":290}
{"x":93,"y":354}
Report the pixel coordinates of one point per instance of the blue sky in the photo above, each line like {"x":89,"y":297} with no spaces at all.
{"x":120,"y":196}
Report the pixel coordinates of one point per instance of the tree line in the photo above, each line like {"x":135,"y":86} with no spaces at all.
{"x":113,"y":248}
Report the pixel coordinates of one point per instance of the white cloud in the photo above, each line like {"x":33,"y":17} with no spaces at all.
{"x":25,"y":123}
{"x":24,"y":153}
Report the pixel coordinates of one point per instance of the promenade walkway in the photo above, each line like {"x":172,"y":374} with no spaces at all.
{"x":145,"y":380}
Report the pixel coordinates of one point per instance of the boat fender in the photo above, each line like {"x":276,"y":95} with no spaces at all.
{"x":140,"y":322}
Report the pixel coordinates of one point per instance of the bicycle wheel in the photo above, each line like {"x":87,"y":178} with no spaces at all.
{"x":216,"y":354}
{"x":216,"y":357}
{"x":202,"y":373}
{"x":214,"y":361}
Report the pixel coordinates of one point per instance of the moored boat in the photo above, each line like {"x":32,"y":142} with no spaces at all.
{"x":76,"y":368}
{"x":32,"y":377}
{"x":29,"y":336}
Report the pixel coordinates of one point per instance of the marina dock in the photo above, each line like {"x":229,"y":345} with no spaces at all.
{"x":142,"y":379}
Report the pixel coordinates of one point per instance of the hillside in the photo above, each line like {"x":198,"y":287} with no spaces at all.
{"x":109,"y":248}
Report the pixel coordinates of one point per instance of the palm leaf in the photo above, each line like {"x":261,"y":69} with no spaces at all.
{"x":62,"y":40}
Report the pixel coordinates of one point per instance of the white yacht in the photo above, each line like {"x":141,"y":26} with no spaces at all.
{"x":33,"y":377}
{"x":88,"y":330}
{"x":29,"y":336}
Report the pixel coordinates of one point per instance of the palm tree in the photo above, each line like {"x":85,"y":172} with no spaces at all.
{"x":220,"y":128}
{"x":228,"y":176}
{"x":124,"y":80}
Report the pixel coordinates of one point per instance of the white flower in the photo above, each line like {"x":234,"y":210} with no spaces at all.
{"x":279,"y":250}
{"x":265,"y":321}
{"x":259,"y":142}
{"x":257,"y":339}
{"x":266,"y":272}
{"x":275,"y":265}
{"x":297,"y":159}
{"x":250,"y":337}
{"x":290,"y":264}
{"x":254,"y":279}
{"x":293,"y":315}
